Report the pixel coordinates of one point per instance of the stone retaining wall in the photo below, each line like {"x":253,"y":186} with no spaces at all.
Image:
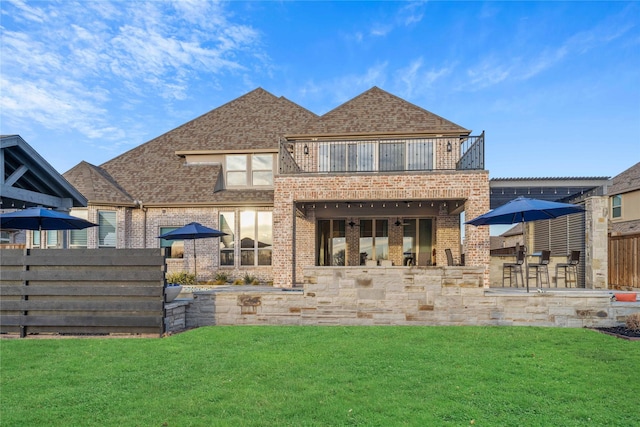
{"x":402,"y":296}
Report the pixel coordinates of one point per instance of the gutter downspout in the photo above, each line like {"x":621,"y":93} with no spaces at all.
{"x":144,"y":222}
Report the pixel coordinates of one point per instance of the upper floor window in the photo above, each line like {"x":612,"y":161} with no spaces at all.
{"x":249,"y":170}
{"x":106,"y":229}
{"x":616,"y":206}
{"x":391,"y":155}
{"x":5,"y":237}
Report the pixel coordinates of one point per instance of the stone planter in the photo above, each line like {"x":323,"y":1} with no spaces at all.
{"x":171,"y":292}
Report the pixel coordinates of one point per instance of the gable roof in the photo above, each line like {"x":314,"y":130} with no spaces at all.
{"x":377,"y":112}
{"x":97,"y":185}
{"x":629,"y":180}
{"x":154,"y":174}
{"x":31,"y":181}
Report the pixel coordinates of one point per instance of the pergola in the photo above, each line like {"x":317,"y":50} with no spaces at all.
{"x":28,"y":180}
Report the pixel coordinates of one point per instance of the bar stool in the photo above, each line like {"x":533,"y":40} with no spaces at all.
{"x":569,"y":269}
{"x":541,"y":268}
{"x":513,"y":268}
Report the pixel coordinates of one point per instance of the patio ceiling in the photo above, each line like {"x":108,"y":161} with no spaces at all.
{"x":394,"y":208}
{"x":502,"y":190}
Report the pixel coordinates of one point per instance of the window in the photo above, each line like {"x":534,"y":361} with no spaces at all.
{"x":392,"y":156}
{"x":173,"y":248}
{"x":262,"y":169}
{"x":227,"y":243}
{"x":616,"y":206}
{"x":236,"y":170}
{"x":256,"y":238}
{"x":35,"y":239}
{"x":331,"y":242}
{"x":255,"y":170}
{"x":374,"y":240}
{"x":419,"y":155}
{"x":52,"y":239}
{"x":342,"y":157}
{"x":5,"y":237}
{"x":78,"y":238}
{"x":106,"y":229}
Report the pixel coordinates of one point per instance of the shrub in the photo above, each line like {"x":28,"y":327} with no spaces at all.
{"x":221,"y":278}
{"x":238,"y":282}
{"x":182,"y":278}
{"x":633,"y":321}
{"x":250,"y":280}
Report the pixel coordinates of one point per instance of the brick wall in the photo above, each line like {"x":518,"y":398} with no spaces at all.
{"x":444,"y":186}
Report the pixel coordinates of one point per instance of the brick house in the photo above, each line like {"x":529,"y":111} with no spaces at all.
{"x":377,"y":181}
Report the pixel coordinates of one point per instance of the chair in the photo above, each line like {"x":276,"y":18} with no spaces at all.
{"x":450,"y":260}
{"x":514,"y":268}
{"x":569,"y":269}
{"x":541,"y":269}
{"x":424,"y":259}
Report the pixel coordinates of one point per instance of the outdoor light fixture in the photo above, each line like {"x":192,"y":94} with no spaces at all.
{"x":306,"y":149}
{"x":449,"y":147}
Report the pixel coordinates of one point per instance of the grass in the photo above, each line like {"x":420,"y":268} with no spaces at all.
{"x":324,"y":376}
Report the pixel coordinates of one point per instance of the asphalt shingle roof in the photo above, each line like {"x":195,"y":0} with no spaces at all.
{"x":379,"y":112}
{"x":628,"y":180}
{"x":154,"y":174}
{"x":96,"y":185}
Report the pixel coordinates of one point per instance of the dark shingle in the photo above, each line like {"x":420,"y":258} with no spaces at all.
{"x":378,"y":112}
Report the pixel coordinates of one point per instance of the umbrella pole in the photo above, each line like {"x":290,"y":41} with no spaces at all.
{"x":526,"y":247}
{"x":195,"y":261}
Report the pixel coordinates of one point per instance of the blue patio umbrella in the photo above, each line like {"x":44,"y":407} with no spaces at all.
{"x":523,"y":209}
{"x":192,"y":231}
{"x":42,"y":219}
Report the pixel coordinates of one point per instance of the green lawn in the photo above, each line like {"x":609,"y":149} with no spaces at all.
{"x":325,"y":376}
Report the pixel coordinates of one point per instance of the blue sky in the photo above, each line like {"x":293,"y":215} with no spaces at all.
{"x":555,"y":85}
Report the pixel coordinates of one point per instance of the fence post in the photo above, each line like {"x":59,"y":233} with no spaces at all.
{"x":25,"y":296}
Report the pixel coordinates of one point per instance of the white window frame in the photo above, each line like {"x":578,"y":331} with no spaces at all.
{"x":616,"y":206}
{"x":251,"y":167}
{"x":101,"y":241}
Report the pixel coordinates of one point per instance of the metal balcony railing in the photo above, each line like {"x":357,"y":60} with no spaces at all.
{"x":382,"y":155}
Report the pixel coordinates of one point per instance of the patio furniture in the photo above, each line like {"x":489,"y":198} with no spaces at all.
{"x":424,"y":259}
{"x":569,"y":270}
{"x":541,"y":269}
{"x":513,"y":269}
{"x":451,"y":261}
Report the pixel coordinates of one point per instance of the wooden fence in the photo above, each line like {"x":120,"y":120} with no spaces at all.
{"x":82,"y":291}
{"x":624,"y":261}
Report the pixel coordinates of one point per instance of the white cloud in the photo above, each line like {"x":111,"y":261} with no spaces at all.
{"x":414,"y":79}
{"x":29,"y":13}
{"x":69,"y":58}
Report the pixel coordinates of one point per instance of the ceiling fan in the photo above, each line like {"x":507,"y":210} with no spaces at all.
{"x":398,"y":223}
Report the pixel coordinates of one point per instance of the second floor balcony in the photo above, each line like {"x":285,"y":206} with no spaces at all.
{"x":317,"y":155}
